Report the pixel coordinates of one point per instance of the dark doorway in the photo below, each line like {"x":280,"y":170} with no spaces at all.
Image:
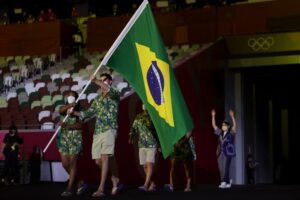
{"x":271,"y":107}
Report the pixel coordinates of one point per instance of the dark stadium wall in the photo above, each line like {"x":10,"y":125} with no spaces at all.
{"x":204,"y":25}
{"x":35,"y":39}
{"x":30,"y":39}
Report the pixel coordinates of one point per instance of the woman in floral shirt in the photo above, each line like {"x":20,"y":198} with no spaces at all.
{"x":69,"y":141}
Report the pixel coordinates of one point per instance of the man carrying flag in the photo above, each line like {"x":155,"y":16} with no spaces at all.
{"x":105,"y":108}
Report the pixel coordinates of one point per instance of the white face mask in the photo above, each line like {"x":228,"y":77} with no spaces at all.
{"x":71,"y":99}
{"x":107,"y":83}
{"x":224,"y":128}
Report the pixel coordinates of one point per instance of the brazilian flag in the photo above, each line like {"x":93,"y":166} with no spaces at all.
{"x":139,"y":55}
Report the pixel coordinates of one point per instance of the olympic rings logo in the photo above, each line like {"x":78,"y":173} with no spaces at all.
{"x":261,"y":43}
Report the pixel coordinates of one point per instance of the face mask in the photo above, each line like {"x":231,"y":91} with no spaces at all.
{"x":224,"y":128}
{"x":71,"y":99}
{"x":143,"y":107}
{"x":106,"y":82}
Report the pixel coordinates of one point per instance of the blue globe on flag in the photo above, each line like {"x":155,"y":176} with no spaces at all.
{"x":155,"y":82}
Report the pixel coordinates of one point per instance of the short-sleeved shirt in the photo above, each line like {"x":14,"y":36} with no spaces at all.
{"x":105,"y":108}
{"x":143,"y":128}
{"x":226,"y":143}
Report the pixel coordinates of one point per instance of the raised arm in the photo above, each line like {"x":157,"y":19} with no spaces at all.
{"x":99,"y":83}
{"x":231,"y":114}
{"x":213,"y":119}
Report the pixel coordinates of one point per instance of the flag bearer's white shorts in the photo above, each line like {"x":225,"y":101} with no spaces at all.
{"x":104,"y":143}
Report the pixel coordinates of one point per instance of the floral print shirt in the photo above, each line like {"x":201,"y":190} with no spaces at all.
{"x":105,"y":108}
{"x":143,"y":128}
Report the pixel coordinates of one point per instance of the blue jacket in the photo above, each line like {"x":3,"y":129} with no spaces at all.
{"x":226,"y":143}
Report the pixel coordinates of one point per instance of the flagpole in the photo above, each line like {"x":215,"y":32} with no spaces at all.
{"x":105,"y":59}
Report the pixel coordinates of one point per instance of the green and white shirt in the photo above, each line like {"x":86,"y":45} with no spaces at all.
{"x":143,"y":128}
{"x":105,"y":108}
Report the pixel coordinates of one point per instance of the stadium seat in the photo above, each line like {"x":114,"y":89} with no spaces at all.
{"x":11,"y":95}
{"x":43,"y":114}
{"x":47,"y":126}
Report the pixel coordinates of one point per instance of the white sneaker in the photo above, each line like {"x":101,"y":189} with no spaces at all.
{"x":222,"y":185}
{"x":228,"y":185}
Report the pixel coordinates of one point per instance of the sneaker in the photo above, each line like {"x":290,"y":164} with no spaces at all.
{"x":117,"y":190}
{"x":169,"y":188}
{"x":222,"y":185}
{"x":143,"y":188}
{"x":228,"y":185}
{"x":66,"y":194}
{"x":81,"y":189}
{"x":98,"y":193}
{"x":187,"y":190}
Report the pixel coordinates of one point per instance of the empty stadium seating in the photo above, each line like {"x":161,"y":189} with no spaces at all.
{"x":33,"y":102}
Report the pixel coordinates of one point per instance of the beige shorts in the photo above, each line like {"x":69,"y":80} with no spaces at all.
{"x":104,"y":143}
{"x":147,"y":155}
